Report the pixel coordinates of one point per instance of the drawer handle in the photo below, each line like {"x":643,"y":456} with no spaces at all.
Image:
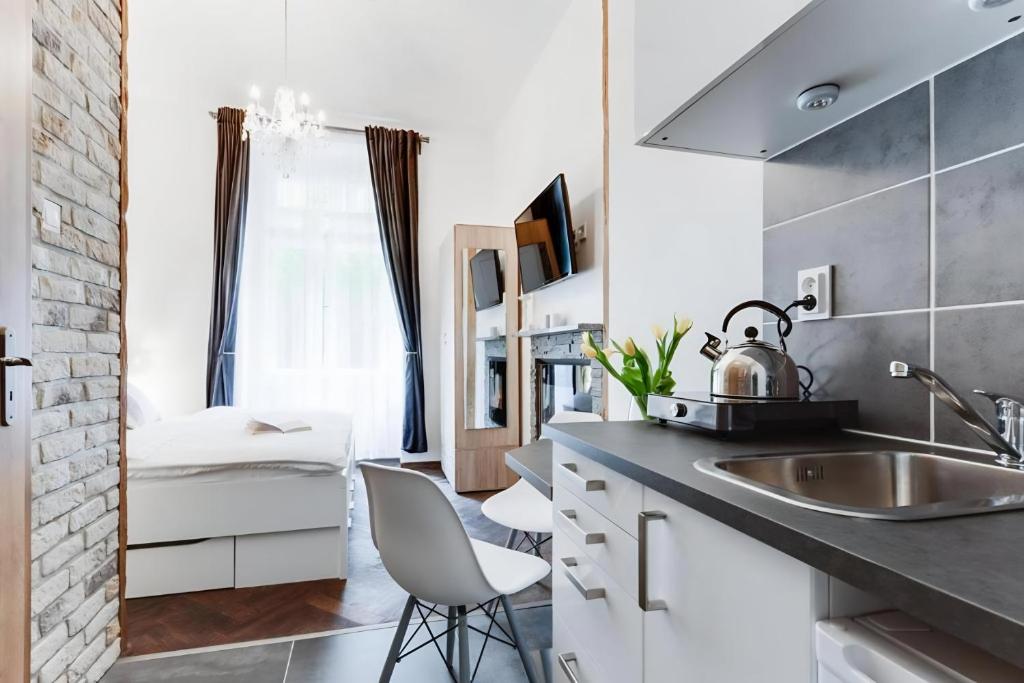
{"x":588,"y":484}
{"x":564,"y":661}
{"x":646,"y":604}
{"x":587,"y":593}
{"x":588,"y":538}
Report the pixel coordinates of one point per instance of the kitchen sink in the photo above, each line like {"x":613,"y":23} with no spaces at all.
{"x":892,"y":485}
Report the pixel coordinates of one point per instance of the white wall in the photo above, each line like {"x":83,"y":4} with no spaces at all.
{"x":685,"y":229}
{"x":555,"y":126}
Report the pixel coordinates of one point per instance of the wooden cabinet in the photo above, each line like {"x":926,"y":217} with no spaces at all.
{"x":720,"y":606}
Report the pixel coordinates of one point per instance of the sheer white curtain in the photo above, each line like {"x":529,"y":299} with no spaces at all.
{"x":317,"y":326}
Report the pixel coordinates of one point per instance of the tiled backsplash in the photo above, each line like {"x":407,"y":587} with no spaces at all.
{"x":918,"y":203}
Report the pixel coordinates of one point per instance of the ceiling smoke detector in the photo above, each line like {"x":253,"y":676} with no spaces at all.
{"x":980,"y":5}
{"x":818,"y":97}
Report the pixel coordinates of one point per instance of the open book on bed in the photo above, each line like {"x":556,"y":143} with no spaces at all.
{"x":269,"y":424}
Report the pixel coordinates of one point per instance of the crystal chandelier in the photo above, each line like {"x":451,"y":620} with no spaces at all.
{"x":286,"y":120}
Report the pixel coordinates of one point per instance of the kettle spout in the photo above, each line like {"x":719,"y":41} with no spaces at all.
{"x":711,"y":348}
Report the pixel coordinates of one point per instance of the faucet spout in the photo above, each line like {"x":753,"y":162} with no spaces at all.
{"x":1008,"y":454}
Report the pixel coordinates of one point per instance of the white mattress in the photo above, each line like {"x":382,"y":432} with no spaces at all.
{"x":214,"y":444}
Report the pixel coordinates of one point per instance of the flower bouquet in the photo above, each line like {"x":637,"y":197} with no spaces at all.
{"x":638,"y":374}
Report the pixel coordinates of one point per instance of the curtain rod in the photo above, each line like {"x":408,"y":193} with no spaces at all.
{"x":340,"y":129}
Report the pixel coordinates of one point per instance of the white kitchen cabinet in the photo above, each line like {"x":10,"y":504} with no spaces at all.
{"x":734,"y":608}
{"x":683,"y":45}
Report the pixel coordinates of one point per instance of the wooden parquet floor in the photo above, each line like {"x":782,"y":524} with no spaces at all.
{"x":368,"y":597}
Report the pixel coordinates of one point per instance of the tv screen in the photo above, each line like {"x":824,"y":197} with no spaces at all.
{"x":544,"y":234}
{"x":488,"y":287}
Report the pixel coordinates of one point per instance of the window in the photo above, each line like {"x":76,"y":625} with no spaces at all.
{"x":317,"y":326}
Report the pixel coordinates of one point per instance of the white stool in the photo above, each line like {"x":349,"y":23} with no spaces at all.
{"x":425,"y":548}
{"x":524,"y":509}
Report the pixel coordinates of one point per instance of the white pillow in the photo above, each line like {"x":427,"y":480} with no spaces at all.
{"x":141,"y":411}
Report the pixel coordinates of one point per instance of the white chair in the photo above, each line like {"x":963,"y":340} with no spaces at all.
{"x":425,"y":548}
{"x":524,"y":509}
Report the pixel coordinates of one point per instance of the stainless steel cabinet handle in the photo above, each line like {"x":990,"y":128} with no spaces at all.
{"x":643,"y":519}
{"x":588,"y":484}
{"x":564,"y":660}
{"x":10,"y":362}
{"x":588,"y":538}
{"x":587,"y":593}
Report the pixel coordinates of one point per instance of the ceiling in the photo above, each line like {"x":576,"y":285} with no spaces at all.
{"x":414,"y":62}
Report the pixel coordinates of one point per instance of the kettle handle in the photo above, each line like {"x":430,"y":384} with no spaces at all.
{"x":764,"y":305}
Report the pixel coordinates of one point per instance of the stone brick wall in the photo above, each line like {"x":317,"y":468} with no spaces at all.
{"x":75,"y":339}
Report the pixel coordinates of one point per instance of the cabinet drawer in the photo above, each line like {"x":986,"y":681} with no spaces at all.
{"x":181,"y":567}
{"x":583,"y":665}
{"x":608,"y":627}
{"x":611,"y":548}
{"x":613,"y":495}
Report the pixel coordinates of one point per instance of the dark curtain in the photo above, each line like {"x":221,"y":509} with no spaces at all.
{"x":229,"y":235}
{"x":393,"y":168}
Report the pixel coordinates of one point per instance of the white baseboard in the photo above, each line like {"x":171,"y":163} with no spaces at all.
{"x":429,"y":456}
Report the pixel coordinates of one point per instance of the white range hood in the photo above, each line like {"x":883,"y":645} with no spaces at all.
{"x":871,"y":49}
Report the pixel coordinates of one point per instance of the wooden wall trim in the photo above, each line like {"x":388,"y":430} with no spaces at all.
{"x":122,"y":508}
{"x":606,"y":161}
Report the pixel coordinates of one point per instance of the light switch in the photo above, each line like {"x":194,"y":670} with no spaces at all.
{"x":51,"y":215}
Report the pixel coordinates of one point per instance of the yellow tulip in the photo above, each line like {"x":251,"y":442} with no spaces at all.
{"x":589,"y":351}
{"x":659,"y":331}
{"x":610,"y":351}
{"x":683,"y":326}
{"x":629,"y":348}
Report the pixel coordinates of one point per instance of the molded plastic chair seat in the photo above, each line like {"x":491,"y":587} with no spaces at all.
{"x":521,"y":507}
{"x":509,"y":571}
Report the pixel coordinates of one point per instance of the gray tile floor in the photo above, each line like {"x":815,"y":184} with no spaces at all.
{"x":352,"y":657}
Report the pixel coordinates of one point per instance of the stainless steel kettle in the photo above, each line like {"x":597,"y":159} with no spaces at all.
{"x":754,"y":369}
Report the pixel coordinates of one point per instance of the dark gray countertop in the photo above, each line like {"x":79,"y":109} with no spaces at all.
{"x":962,"y":575}
{"x":532,"y":462}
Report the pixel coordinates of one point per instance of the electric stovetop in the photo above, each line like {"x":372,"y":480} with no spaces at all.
{"x":742,"y":415}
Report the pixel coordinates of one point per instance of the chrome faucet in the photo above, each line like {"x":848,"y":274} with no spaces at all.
{"x":1006,"y":439}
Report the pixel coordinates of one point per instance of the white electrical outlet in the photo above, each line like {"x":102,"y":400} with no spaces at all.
{"x":818,"y":282}
{"x":51,"y":216}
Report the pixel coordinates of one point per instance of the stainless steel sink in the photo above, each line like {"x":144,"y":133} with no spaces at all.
{"x":877,"y":485}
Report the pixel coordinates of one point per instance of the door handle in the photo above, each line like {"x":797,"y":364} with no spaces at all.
{"x":7,"y":398}
{"x":646,"y":604}
{"x":15,"y":361}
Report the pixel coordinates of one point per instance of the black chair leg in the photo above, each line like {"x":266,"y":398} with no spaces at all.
{"x":517,"y":636}
{"x":511,"y":539}
{"x":396,"y":644}
{"x":464,"y":647}
{"x":450,"y":638}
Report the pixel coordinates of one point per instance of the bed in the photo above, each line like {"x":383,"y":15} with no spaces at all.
{"x":211,"y":505}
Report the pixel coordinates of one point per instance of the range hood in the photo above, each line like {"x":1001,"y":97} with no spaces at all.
{"x":871,"y":49}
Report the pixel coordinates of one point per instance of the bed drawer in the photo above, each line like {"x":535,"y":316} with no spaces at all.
{"x":615,"y":496}
{"x":289,"y":556}
{"x":181,"y":568}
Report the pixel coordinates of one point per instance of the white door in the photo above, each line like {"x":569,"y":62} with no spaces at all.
{"x":15,"y":75}
{"x":735,"y":609}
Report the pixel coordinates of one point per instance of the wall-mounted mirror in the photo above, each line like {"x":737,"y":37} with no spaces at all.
{"x":485,"y":338}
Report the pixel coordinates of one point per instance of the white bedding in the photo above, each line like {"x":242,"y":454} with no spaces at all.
{"x":216,"y":440}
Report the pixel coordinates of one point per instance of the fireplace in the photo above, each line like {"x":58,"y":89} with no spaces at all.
{"x":562,"y":378}
{"x":496,"y":409}
{"x":562,"y":385}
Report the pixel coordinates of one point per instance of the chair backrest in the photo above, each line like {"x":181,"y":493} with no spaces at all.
{"x":421,"y":539}
{"x":564,"y":416}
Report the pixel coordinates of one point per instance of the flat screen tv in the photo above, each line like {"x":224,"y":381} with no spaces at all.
{"x":544,"y":234}
{"x":488,"y":287}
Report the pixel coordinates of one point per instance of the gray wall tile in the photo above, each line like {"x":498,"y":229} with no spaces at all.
{"x":978,"y":105}
{"x":878,"y":245}
{"x":879,"y":148}
{"x":977,"y":348}
{"x":850,"y":360}
{"x":979,"y":231}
